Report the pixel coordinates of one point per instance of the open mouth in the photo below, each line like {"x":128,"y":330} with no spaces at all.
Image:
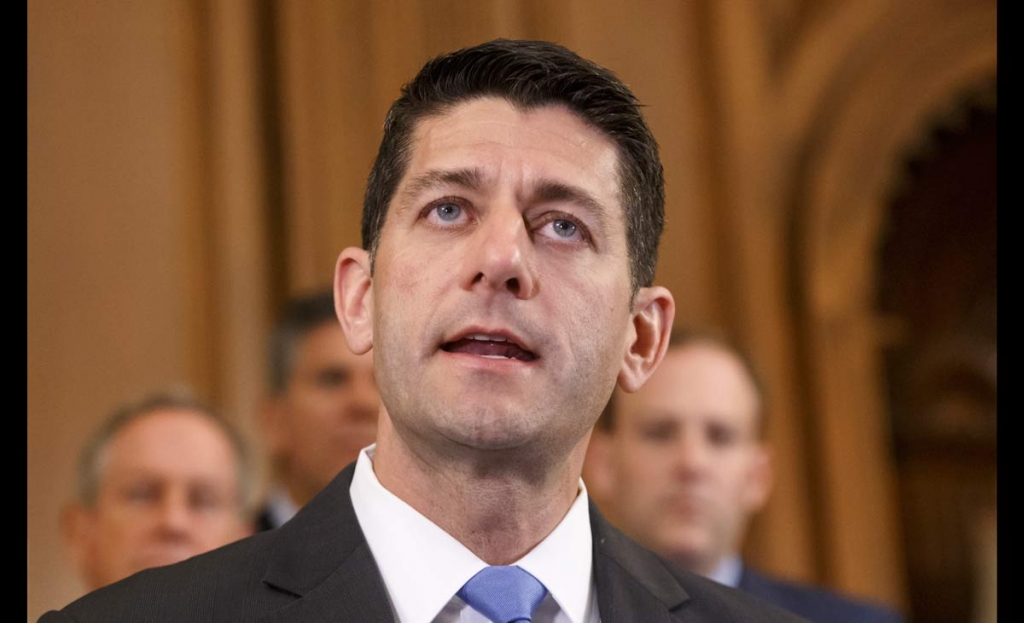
{"x":489,"y":347}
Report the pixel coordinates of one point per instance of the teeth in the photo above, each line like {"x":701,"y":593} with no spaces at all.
{"x":486,"y":338}
{"x":494,"y":357}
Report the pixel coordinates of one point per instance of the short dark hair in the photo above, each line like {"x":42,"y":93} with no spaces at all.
{"x":299,"y":316}
{"x":682,"y":337}
{"x":91,"y":463}
{"x":530,"y":74}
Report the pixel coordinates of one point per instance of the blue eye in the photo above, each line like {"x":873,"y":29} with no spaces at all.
{"x":564,"y":228}
{"x":448,"y":211}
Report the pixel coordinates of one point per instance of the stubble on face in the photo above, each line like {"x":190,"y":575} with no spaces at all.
{"x":427,"y":287}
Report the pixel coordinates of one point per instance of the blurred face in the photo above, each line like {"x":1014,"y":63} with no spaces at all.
{"x":327,"y":413}
{"x":501,"y":288}
{"x":684,"y":465}
{"x":168,"y":491}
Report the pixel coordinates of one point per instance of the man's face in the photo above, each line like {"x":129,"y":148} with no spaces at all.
{"x":501,"y":292}
{"x":684,"y":462}
{"x":168,"y":491}
{"x":327,"y":413}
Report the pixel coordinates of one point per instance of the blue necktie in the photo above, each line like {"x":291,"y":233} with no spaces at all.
{"x":504,"y":594}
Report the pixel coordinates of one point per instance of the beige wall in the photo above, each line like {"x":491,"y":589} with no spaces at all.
{"x":156,"y":249}
{"x":142,"y":236}
{"x":110,"y":275}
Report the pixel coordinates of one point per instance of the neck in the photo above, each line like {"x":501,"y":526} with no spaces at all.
{"x":300,"y":489}
{"x":499,"y":504}
{"x":713,"y":567}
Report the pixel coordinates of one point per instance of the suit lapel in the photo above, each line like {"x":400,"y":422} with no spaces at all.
{"x":632,"y":583}
{"x":321,"y":556}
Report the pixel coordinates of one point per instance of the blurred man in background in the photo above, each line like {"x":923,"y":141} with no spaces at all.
{"x":163,"y":479}
{"x":682,"y":466}
{"x":322,"y":407}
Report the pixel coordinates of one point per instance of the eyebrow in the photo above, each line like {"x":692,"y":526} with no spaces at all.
{"x":471,"y":179}
{"x":544,"y":190}
{"x":548,"y":190}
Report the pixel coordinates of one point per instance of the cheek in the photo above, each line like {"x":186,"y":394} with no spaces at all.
{"x":640,"y":469}
{"x":319,"y":406}
{"x":400,"y":304}
{"x":595,"y":328}
{"x":218,"y":528}
{"x":414,"y":268}
{"x":118,"y":531}
{"x":734,"y":484}
{"x":597,"y":303}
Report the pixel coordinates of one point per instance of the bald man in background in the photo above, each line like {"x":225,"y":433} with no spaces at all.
{"x":681,"y":465}
{"x":163,"y":479}
{"x":321,"y":409}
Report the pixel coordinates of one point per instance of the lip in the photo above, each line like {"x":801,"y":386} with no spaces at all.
{"x":684,"y":504}
{"x":164,"y":555}
{"x":508,"y":334}
{"x":493,"y":364}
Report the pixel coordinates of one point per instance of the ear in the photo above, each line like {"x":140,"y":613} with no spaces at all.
{"x":654,"y":309}
{"x":353,"y":298}
{"x":273,"y":423}
{"x":760,"y":479}
{"x":76,"y":532}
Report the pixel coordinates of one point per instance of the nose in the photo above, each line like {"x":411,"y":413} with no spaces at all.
{"x":174,"y":516}
{"x":692,"y":456}
{"x":502,"y":255}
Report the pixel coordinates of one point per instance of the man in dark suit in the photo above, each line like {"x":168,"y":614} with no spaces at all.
{"x":681,"y":465}
{"x":510,"y":232}
{"x":321,"y":409}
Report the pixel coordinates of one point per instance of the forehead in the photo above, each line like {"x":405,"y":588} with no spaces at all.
{"x":490,"y":134}
{"x":173,"y":443}
{"x":698,"y":381}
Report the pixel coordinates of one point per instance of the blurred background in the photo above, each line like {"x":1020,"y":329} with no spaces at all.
{"x":830,"y":170}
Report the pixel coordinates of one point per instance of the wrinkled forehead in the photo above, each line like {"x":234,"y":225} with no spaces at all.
{"x":551,"y":125}
{"x":173,"y":441}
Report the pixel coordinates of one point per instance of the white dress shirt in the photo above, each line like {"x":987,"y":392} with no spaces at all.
{"x":280,"y":507}
{"x":728,"y":571}
{"x":424,"y":567}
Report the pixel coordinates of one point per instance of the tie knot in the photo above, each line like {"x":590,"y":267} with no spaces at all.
{"x":504,"y":594}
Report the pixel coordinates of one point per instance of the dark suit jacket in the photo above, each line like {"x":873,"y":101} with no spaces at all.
{"x":816,"y":604}
{"x":318,"y":567}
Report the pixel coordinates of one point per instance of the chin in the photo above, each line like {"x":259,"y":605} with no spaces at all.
{"x":160,"y":559}
{"x":493,"y":440}
{"x":690,"y":550}
{"x":491,"y":429}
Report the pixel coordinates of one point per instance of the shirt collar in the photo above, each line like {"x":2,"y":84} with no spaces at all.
{"x":728,"y":571}
{"x":280,"y":507}
{"x":423,"y":566}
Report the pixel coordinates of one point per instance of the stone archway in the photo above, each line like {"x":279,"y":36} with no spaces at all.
{"x":861,"y":110}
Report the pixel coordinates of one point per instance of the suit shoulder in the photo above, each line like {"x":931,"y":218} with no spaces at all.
{"x":691,"y":596}
{"x":815,"y":603}
{"x":738,"y":605}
